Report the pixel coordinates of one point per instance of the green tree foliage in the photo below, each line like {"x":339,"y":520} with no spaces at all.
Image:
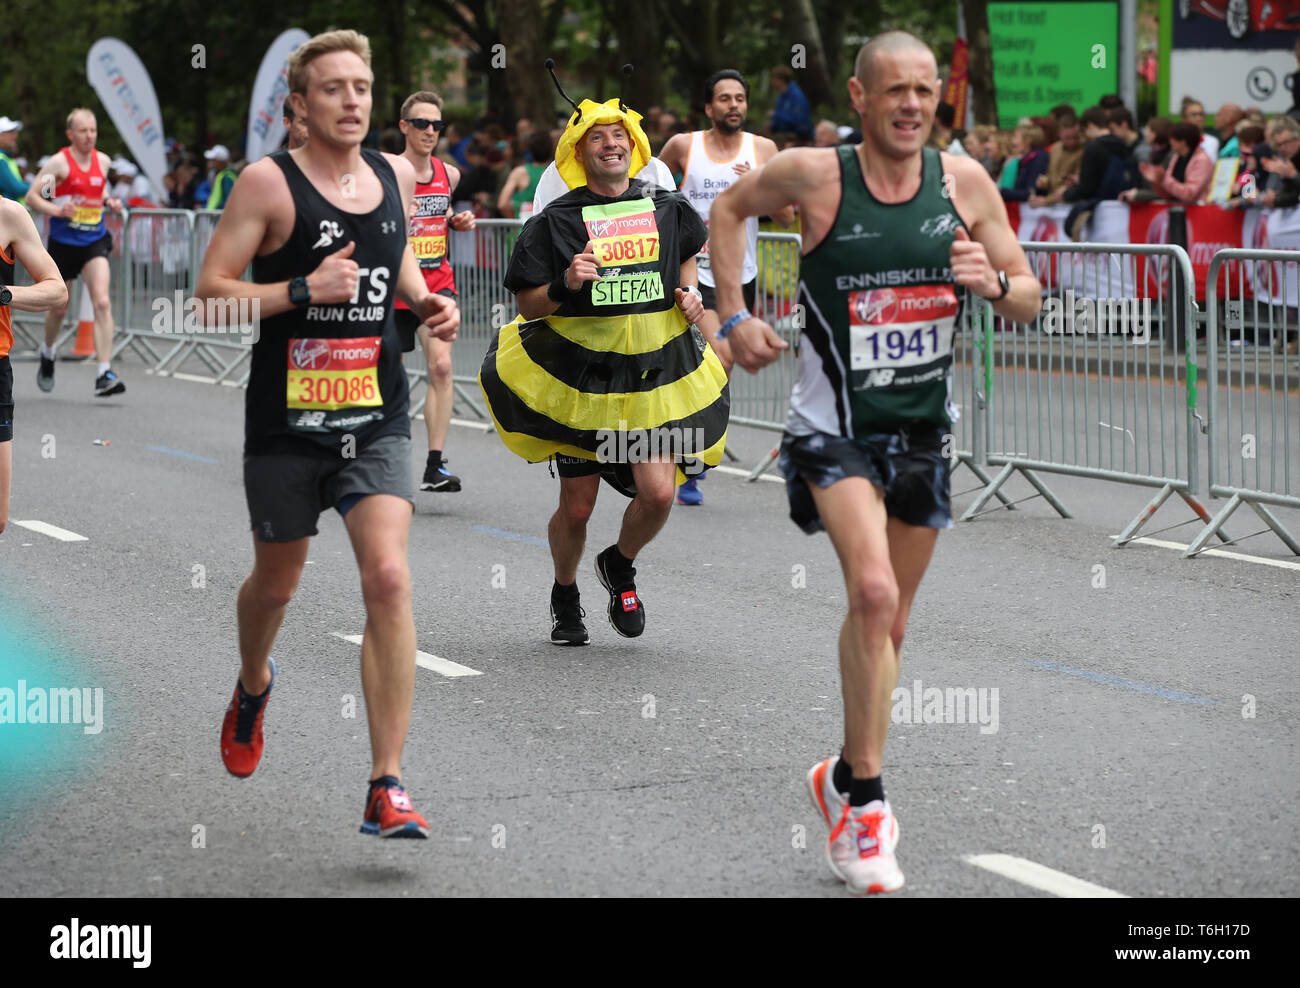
{"x":675,"y":45}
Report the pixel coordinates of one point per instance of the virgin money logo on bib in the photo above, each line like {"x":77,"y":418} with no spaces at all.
{"x":621,"y":226}
{"x":874,"y":308}
{"x":909,"y":304}
{"x":310,"y":354}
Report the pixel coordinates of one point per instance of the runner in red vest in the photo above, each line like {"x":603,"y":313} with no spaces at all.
{"x":422,"y":124}
{"x":71,"y":189}
{"x":19,"y":241}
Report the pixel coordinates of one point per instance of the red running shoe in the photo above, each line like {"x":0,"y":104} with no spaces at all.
{"x":389,"y":812}
{"x":241,"y":730}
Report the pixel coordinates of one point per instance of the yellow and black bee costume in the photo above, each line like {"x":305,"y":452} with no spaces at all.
{"x":618,"y":357}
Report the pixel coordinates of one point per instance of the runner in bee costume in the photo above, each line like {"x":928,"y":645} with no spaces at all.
{"x":604,"y":369}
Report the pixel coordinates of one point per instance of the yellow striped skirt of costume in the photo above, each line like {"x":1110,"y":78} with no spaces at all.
{"x":608,"y":388}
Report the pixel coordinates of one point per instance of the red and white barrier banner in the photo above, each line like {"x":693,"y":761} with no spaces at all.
{"x":1209,"y":230}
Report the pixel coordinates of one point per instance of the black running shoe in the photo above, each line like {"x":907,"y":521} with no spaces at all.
{"x":108,"y":384}
{"x":440,"y":479}
{"x":566,"y":617}
{"x":626,"y":612}
{"x":45,"y":374}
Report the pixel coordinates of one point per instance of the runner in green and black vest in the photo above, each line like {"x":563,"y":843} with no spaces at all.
{"x":892,"y":234}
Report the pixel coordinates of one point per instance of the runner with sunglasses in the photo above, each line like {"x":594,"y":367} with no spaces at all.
{"x":422,"y":126}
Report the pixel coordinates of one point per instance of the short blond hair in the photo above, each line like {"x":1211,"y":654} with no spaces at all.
{"x":80,"y":109}
{"x":325,"y":44}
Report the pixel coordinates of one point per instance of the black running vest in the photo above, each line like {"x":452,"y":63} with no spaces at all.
{"x":327,"y":380}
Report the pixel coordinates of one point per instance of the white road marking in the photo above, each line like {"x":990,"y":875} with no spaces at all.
{"x":424,"y":660}
{"x":737,"y":472}
{"x":1041,"y":877}
{"x":481,"y":426}
{"x":1241,"y":556}
{"x":200,"y":379}
{"x":53,"y":531}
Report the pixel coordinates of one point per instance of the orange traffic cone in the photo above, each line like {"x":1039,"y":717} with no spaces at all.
{"x":85,"y":345}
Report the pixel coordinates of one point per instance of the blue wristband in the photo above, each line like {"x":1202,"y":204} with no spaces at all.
{"x":733,"y":322}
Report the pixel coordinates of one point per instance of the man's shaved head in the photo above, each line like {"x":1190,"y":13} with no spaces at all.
{"x":889,"y":43}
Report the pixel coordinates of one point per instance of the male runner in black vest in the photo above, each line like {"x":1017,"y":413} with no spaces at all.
{"x":326,"y":410}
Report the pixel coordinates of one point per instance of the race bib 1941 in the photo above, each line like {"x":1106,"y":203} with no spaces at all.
{"x":333,"y":384}
{"x":901,"y":335}
{"x":625,"y":234}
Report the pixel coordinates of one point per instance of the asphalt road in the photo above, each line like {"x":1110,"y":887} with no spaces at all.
{"x":1145,"y":737}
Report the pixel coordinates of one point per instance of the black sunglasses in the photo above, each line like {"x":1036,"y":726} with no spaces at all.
{"x":422,"y":124}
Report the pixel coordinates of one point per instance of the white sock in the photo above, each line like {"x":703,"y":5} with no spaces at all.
{"x":49,"y":353}
{"x":103,"y":369}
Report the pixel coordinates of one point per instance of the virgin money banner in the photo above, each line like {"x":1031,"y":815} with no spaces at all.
{"x":123,"y":86}
{"x":1090,"y":275}
{"x":1272,"y":229}
{"x":1210,"y":229}
{"x":955,"y":91}
{"x":266,"y":110}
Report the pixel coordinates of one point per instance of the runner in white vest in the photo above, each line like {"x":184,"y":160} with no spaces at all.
{"x":709,"y":161}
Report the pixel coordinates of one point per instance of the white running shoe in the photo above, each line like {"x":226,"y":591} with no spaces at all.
{"x":831,"y":805}
{"x":872,"y":832}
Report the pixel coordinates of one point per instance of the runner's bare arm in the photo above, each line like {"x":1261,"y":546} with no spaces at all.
{"x":673,"y":153}
{"x":690,"y":304}
{"x":536,"y":302}
{"x":765,"y":149}
{"x":47,"y":290}
{"x":516,"y":180}
{"x":112,"y":202}
{"x":760,"y":192}
{"x":41,"y":194}
{"x":992,"y":246}
{"x":464,"y":220}
{"x":240,"y":231}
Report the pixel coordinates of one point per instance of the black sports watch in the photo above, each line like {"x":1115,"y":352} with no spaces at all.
{"x":1005,"y":282}
{"x":299,"y":293}
{"x":6,"y":296}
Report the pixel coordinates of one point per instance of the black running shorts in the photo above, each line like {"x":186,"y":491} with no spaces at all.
{"x":71,"y":258}
{"x":6,"y":400}
{"x":907,"y":465}
{"x":287,"y":492}
{"x":617,"y":475}
{"x":408,"y":322}
{"x":710,"y":296}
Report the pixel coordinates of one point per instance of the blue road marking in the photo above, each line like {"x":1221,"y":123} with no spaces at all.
{"x":532,"y":539}
{"x":183,"y":454}
{"x":1128,"y":684}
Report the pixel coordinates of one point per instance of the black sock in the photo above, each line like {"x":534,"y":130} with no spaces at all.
{"x":435,"y":459}
{"x":559,"y":589}
{"x":619,"y":560}
{"x":842,"y":776}
{"x":385,"y":781}
{"x":863,"y":791}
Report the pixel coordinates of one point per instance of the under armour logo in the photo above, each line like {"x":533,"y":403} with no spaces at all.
{"x":388,"y":226}
{"x":329,"y":232}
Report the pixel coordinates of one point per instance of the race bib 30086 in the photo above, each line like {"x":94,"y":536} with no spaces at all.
{"x":330,"y":375}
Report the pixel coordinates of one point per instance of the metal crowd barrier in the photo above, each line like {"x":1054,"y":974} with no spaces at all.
{"x":1080,"y":393}
{"x":1254,"y":390}
{"x":29,"y":327}
{"x":761,"y":400}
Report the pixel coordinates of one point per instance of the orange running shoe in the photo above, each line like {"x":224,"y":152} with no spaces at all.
{"x":241,"y":730}
{"x":389,"y":812}
{"x":873,"y":835}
